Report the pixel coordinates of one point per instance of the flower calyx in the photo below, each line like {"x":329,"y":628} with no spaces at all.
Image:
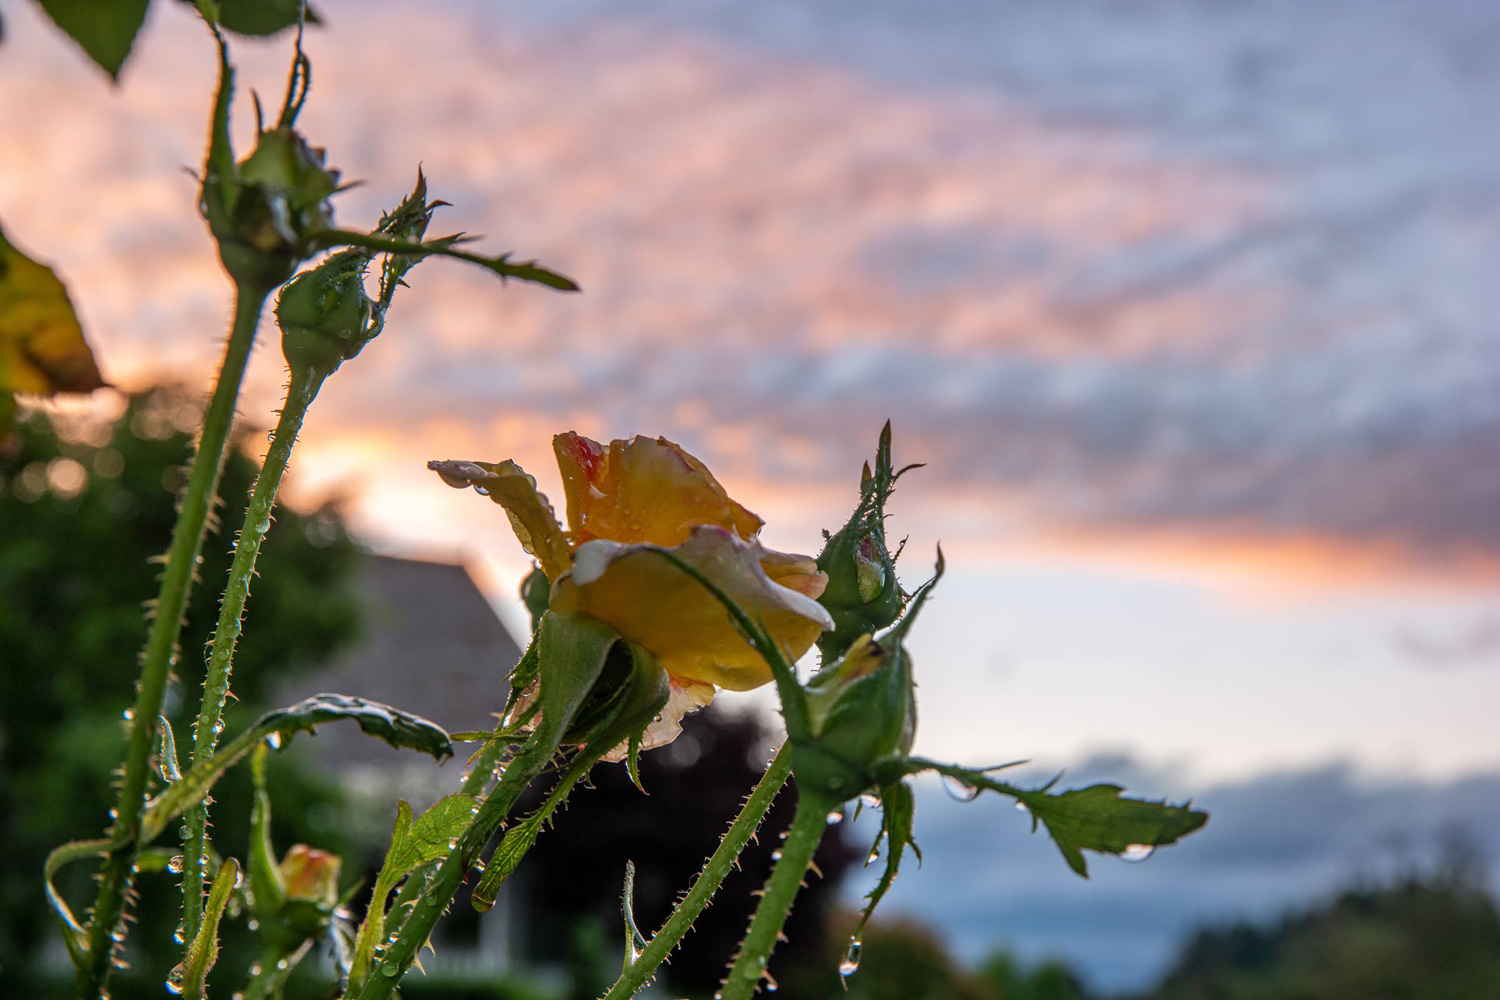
{"x":863,"y":594}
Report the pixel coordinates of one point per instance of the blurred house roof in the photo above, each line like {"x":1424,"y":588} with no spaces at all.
{"x":430,"y":644}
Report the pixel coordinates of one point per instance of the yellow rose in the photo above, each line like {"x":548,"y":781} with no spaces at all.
{"x":626,"y":500}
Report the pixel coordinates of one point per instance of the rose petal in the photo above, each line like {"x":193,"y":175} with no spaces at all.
{"x":642,"y":490}
{"x":531,"y":516}
{"x":652,"y":602}
{"x":686,"y":696}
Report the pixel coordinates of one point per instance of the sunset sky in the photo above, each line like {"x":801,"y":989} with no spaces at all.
{"x":1191,"y":317}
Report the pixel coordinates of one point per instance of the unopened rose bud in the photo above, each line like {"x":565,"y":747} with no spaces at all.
{"x":324,"y":315}
{"x":311,"y":875}
{"x":280,"y":202}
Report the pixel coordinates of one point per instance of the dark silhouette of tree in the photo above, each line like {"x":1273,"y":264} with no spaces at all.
{"x":83,"y":511}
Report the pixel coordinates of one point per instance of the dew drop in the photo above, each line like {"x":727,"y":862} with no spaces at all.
{"x":389,"y":968}
{"x":179,"y":936}
{"x":1022,"y":807}
{"x":175,"y":864}
{"x":175,"y":980}
{"x":273,"y":740}
{"x":850,"y":964}
{"x":870,"y":799}
{"x":481,"y":490}
{"x":959,"y":791}
{"x":262,"y":526}
{"x":874,"y":856}
{"x":1136,"y":853}
{"x":776,"y":855}
{"x":128,"y":715}
{"x":770,"y":984}
{"x":837,"y":816}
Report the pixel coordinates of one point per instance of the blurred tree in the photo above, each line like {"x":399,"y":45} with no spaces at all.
{"x":1431,"y":935}
{"x":900,"y":959}
{"x":696,"y":786}
{"x":84,"y":506}
{"x":1009,"y":979}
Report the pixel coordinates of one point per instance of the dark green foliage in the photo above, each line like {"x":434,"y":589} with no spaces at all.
{"x":899,"y":960}
{"x":1432,"y":936}
{"x":75,"y":551}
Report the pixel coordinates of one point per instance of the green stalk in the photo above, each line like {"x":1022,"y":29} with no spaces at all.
{"x":781,"y":889}
{"x":708,"y":880}
{"x":161,"y":643}
{"x":299,"y":396}
{"x":530,"y":760}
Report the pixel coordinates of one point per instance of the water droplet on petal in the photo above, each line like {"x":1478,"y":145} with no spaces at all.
{"x":960,"y":791}
{"x":481,"y":490}
{"x":1137,"y":852}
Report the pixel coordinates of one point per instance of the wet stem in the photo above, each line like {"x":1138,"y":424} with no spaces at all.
{"x":708,"y":881}
{"x":300,"y":394}
{"x":802,"y":841}
{"x":391,"y":963}
{"x":160,"y":652}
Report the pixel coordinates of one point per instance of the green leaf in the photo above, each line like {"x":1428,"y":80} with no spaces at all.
{"x":260,"y":18}
{"x":413,"y":844}
{"x":191,"y":976}
{"x":105,"y":29}
{"x":398,"y":728}
{"x":75,"y":935}
{"x":42,"y":349}
{"x":266,"y":884}
{"x":501,"y":264}
{"x":166,"y":753}
{"x":635,"y":941}
{"x":1096,"y":818}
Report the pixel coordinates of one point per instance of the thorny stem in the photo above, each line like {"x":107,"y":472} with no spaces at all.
{"x":708,"y":880}
{"x":530,"y":760}
{"x":781,"y":889}
{"x":161,"y":643}
{"x":299,"y":396}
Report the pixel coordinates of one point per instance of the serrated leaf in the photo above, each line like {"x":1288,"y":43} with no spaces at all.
{"x":413,"y":844}
{"x":398,"y":728}
{"x":42,"y":349}
{"x":104,"y":29}
{"x":1096,"y":818}
{"x":1099,"y":818}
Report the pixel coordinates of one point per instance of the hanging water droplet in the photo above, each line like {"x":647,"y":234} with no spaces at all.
{"x":850,"y":964}
{"x":179,"y":936}
{"x":175,"y":864}
{"x":1137,"y":852}
{"x":837,"y":816}
{"x":175,"y":980}
{"x":1022,"y":807}
{"x":128,"y":715}
{"x":481,"y":490}
{"x":770,"y":983}
{"x":776,"y":855}
{"x":960,"y":791}
{"x":874,"y":856}
{"x":273,"y":740}
{"x":452,"y":843}
{"x":870,"y":799}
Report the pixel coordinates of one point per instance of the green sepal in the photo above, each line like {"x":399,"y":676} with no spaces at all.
{"x":1097,"y":818}
{"x":75,"y":935}
{"x":863,"y":594}
{"x":536,"y":592}
{"x":267,"y":888}
{"x":898,"y":809}
{"x":260,"y":18}
{"x":630,"y":700}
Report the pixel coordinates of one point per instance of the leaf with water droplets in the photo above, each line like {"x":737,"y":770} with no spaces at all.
{"x":398,"y":728}
{"x":1097,"y":818}
{"x":413,"y":844}
{"x":898,"y":809}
